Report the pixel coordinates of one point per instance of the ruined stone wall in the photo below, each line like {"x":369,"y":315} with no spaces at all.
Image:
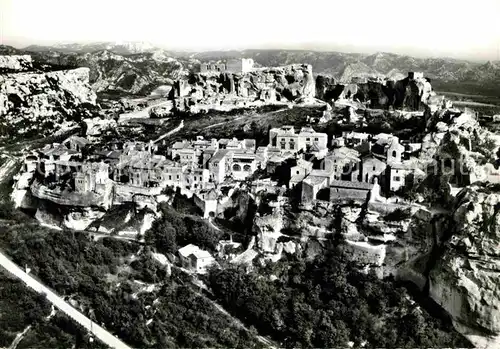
{"x":347,"y":193}
{"x":407,"y":94}
{"x":282,"y":84}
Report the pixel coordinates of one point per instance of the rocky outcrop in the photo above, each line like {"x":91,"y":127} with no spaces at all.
{"x":464,"y":279}
{"x":112,"y":72}
{"x":15,"y":63}
{"x":213,"y":90}
{"x":145,"y":63}
{"x":409,"y":93}
{"x":37,"y":104}
{"x":466,"y":151}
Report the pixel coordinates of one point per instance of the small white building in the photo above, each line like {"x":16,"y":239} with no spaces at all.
{"x":243,"y":165}
{"x":195,"y":259}
{"x":206,"y":200}
{"x":286,"y":139}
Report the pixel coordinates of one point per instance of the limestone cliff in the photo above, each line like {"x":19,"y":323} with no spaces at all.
{"x":15,"y":63}
{"x":408,"y":93}
{"x":281,"y":84}
{"x":471,"y":149}
{"x":465,"y":279}
{"x":37,"y":104}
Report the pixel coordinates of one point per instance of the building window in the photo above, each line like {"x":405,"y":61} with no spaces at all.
{"x":170,"y":177}
{"x":247,"y":168}
{"x":292,"y":146}
{"x":298,"y":172}
{"x":316,"y":139}
{"x":177,"y":176}
{"x":397,"y":178}
{"x":236,"y":167}
{"x":283,"y":146}
{"x":394,"y":154}
{"x":308,"y":139}
{"x":373,"y":168}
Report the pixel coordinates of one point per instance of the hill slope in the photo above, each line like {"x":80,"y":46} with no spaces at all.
{"x":138,"y":69}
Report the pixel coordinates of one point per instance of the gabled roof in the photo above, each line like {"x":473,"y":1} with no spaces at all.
{"x":315,"y":180}
{"x":187,"y":250}
{"x":194,"y":250}
{"x":372,"y":158}
{"x":201,"y":254}
{"x":351,"y":185}
{"x":78,"y":140}
{"x":304,"y":164}
{"x":58,"y":150}
{"x":219,"y":155}
{"x":296,"y":178}
{"x":181,"y":145}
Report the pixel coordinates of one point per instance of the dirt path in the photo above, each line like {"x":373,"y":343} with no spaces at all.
{"x":19,"y":338}
{"x":169,"y":133}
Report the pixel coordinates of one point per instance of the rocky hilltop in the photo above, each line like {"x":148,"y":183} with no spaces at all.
{"x":114,"y":73}
{"x":148,"y":65}
{"x":290,"y":83}
{"x":39,"y":103}
{"x":345,"y":65}
{"x":114,"y":69}
{"x":410,"y":93}
{"x":15,"y":63}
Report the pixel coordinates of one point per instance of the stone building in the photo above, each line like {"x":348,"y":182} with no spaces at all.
{"x":206,"y":200}
{"x":76,"y":143}
{"x":195,"y":259}
{"x":92,"y":177}
{"x":217,"y":165}
{"x":349,"y":190}
{"x":415,"y":75}
{"x":285,"y":139}
{"x":243,"y":165}
{"x":371,"y":168}
{"x":237,"y":66}
{"x":299,"y":172}
{"x":389,"y":148}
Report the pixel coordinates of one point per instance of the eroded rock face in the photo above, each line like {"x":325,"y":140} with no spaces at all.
{"x":283,"y":84}
{"x":465,"y":279}
{"x":15,"y":63}
{"x":409,"y":94}
{"x":139,"y":73}
{"x":41,"y":103}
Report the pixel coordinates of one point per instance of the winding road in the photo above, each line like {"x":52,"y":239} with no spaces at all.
{"x":99,"y":332}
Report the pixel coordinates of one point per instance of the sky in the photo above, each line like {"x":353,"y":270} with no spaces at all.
{"x":424,"y":28}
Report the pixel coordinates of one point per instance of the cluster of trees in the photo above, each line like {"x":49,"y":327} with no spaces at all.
{"x":69,"y":262}
{"x":174,"y":230}
{"x":19,"y":308}
{"x":326,"y":303}
{"x":181,"y":318}
{"x":74,"y":264}
{"x":58,"y":332}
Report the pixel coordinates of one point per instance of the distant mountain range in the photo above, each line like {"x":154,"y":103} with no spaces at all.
{"x":140,"y":67}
